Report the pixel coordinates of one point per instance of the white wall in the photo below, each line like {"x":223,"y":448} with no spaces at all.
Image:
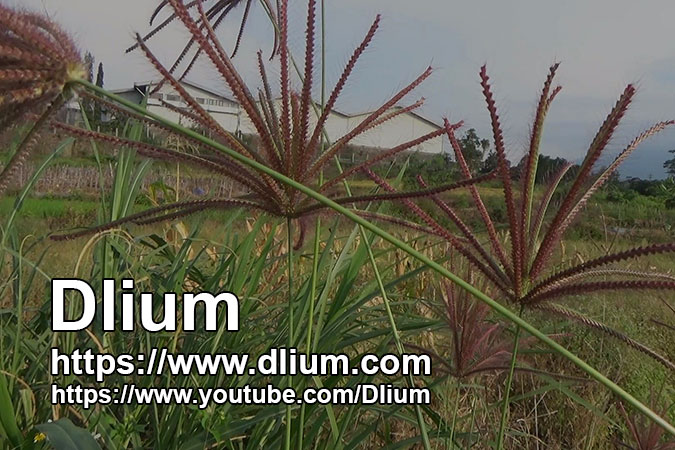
{"x":399,"y":130}
{"x":336,"y":126}
{"x":225,"y":112}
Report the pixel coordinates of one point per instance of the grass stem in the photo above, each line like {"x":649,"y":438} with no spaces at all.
{"x":392,"y":322}
{"x":509,"y":382}
{"x":454,"y":414}
{"x":291,"y":327}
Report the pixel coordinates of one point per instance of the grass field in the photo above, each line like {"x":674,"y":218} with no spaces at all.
{"x":544,"y":410}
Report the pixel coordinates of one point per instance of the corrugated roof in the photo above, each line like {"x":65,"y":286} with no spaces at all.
{"x":185,"y":82}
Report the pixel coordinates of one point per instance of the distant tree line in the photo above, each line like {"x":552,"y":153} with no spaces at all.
{"x":441,"y":168}
{"x":480,"y":158}
{"x":670,"y":165}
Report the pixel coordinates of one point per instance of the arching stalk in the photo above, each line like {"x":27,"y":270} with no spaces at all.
{"x":399,"y":244}
{"x":390,"y":316}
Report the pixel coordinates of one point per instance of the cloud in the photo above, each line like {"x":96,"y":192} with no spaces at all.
{"x":603,"y":45}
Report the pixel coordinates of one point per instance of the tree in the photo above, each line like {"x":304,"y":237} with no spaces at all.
{"x":490,"y":164}
{"x":98,"y":113}
{"x":548,"y":167}
{"x":670,"y":165}
{"x":474,"y":149}
{"x":89,"y":65}
{"x":99,"y":75}
{"x":434,"y":169}
{"x":88,"y":104}
{"x":91,"y":108}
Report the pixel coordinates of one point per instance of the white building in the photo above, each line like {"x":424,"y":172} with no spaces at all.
{"x":229,"y":114}
{"x":225,"y":110}
{"x":401,"y":129}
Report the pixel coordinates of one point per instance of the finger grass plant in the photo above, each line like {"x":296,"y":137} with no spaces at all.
{"x":644,"y":435}
{"x":474,"y":344}
{"x":522,"y":271}
{"x":477,"y":344}
{"x":286,"y":140}
{"x":213,"y":18}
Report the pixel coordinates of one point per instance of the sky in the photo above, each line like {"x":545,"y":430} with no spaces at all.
{"x":602,"y":46}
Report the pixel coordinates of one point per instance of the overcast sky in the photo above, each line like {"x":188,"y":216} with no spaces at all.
{"x":602,"y":46}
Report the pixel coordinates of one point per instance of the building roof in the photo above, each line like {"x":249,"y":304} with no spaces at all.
{"x":184,"y":82}
{"x":352,"y":115}
{"x":208,"y":90}
{"x":334,"y":111}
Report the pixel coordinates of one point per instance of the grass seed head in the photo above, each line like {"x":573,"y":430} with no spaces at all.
{"x":286,"y":138}
{"x":38,"y":61}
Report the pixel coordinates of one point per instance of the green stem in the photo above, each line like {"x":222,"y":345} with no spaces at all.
{"x":392,"y":322}
{"x":312,"y":307}
{"x":495,"y":305}
{"x":397,"y":337}
{"x":317,"y":228}
{"x":509,"y":382}
{"x":16,"y":360}
{"x":473,"y":413}
{"x":291,"y":321}
{"x":454,"y":415}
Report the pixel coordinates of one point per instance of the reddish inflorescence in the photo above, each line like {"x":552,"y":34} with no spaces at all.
{"x":37,"y":59}
{"x":527,"y":277}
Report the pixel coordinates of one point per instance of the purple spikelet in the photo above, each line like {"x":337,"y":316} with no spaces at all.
{"x":514,"y":223}
{"x":565,"y":312}
{"x":599,"y":143}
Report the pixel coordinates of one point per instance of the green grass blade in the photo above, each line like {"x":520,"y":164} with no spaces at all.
{"x":8,"y":425}
{"x":64,"y":435}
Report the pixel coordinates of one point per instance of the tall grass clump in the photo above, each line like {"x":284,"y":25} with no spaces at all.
{"x":522,"y":269}
{"x":287,"y":142}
